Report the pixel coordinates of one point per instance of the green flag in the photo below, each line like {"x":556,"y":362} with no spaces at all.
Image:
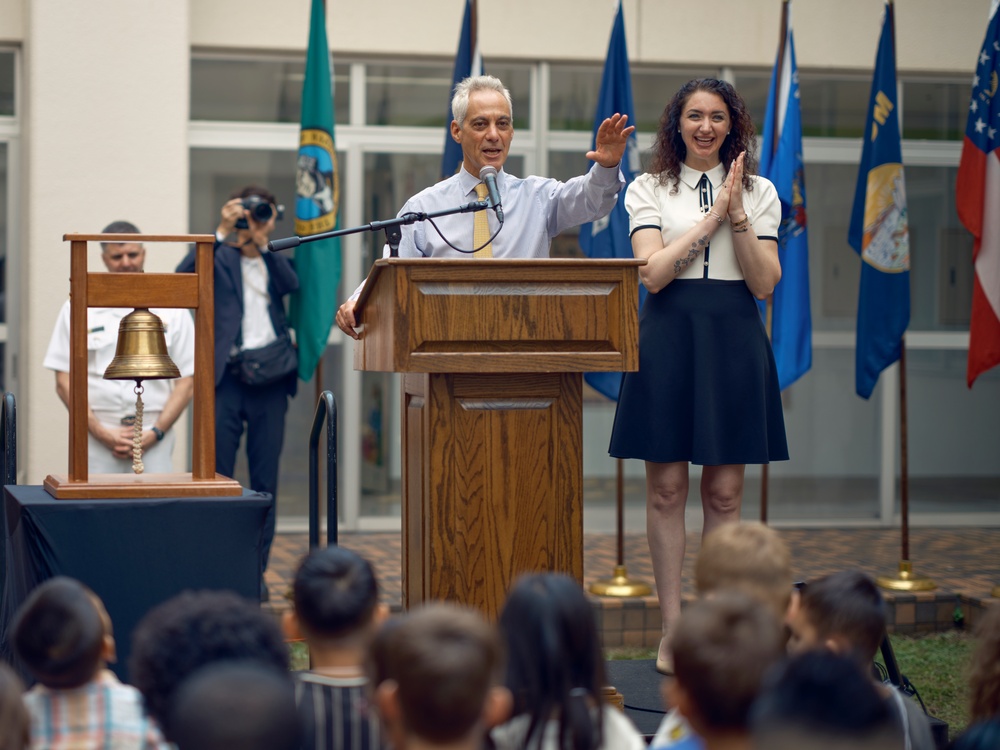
{"x":317,"y":194}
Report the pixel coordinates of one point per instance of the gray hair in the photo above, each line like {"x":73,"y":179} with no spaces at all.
{"x":118,"y":227}
{"x":460,"y":101}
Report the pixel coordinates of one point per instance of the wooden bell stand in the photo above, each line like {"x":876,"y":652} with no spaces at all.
{"x":183,"y":290}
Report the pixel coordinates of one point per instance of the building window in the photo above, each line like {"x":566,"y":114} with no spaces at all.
{"x":7,"y":74}
{"x":255,"y":89}
{"x":935,"y":110}
{"x":833,"y":107}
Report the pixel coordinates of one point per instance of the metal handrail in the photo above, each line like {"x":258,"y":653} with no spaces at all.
{"x":326,"y":410}
{"x":9,"y":418}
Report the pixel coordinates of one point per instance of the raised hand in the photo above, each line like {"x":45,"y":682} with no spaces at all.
{"x":612,"y":137}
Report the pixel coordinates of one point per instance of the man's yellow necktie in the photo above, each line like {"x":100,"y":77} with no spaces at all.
{"x":481,"y":229}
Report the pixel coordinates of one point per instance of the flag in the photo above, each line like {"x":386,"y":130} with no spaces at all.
{"x":781,"y":163}
{"x":609,"y":237}
{"x":317,"y":195}
{"x":468,"y":62}
{"x":879,"y":231}
{"x":978,"y":187}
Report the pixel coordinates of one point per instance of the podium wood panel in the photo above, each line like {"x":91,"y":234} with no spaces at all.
{"x":492,"y":354}
{"x":499,"y":316}
{"x":493,"y":483}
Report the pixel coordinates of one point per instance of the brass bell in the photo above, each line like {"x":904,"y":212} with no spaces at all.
{"x":141,"y":353}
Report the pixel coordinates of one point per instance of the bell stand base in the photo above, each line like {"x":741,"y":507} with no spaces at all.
{"x":906,"y":580}
{"x":620,"y":585}
{"x":130,"y":486}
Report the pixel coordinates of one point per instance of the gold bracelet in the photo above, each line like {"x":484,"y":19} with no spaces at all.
{"x":742,"y":229}
{"x":715,"y":216}
{"x":742,"y":223}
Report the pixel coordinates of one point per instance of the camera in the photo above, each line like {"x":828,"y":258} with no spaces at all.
{"x":260,"y":210}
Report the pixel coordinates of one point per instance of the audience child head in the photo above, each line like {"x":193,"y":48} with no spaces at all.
{"x":336,"y":608}
{"x":436,"y":674}
{"x":336,"y":611}
{"x":820,"y":700}
{"x":844,"y":612}
{"x":62,"y":634}
{"x":984,"y":681}
{"x":15,"y":725}
{"x":722,"y":647}
{"x":748,"y":557}
{"x":193,"y":629}
{"x":555,"y":665}
{"x":235,"y":704}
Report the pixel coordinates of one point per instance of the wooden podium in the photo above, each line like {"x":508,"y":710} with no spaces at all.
{"x":492,"y":354}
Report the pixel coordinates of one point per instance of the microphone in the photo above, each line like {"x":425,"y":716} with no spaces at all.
{"x":286,"y":244}
{"x":488,"y":175}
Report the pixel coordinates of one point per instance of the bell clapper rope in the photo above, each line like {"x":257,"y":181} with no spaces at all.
{"x":137,"y":466}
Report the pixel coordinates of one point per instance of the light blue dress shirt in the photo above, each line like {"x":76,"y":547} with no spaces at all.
{"x":535,"y":210}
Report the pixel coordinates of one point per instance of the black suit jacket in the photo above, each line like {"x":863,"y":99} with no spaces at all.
{"x":282,"y":280}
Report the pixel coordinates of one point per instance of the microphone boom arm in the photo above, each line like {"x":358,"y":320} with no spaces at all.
{"x":391,"y":227}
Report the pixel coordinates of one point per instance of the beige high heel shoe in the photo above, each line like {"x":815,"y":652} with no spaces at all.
{"x":664,"y":666}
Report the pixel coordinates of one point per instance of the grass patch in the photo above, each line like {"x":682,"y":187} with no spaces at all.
{"x":629,"y":653}
{"x":937,"y":664}
{"x":298,"y":655}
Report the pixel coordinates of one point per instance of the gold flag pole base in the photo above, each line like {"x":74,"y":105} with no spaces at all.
{"x":620,"y":585}
{"x":906,"y":580}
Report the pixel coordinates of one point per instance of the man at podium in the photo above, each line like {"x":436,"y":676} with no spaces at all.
{"x":534,"y":209}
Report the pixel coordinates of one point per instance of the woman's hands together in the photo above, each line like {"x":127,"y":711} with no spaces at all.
{"x":730,"y":198}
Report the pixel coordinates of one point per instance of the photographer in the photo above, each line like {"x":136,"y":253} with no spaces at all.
{"x":255,"y":362}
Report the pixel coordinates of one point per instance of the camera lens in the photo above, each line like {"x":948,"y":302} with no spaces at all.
{"x":262,"y":212}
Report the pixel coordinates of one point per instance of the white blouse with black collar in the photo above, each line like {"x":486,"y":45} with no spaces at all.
{"x":650,"y":204}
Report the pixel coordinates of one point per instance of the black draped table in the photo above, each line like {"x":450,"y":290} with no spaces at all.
{"x":133,"y":553}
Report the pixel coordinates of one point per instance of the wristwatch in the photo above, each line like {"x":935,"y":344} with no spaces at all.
{"x":158,"y":432}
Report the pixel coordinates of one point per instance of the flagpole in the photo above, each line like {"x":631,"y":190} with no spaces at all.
{"x":611,"y":241}
{"x":769,"y":304}
{"x":620,"y":584}
{"x":905,"y":580}
{"x":764,"y":469}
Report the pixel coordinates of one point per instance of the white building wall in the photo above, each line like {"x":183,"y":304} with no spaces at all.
{"x":105,"y":91}
{"x":12,"y":20}
{"x":932,"y":35}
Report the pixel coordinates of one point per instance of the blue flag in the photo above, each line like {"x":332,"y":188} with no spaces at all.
{"x":781,"y":163}
{"x":879,"y":230}
{"x":317,"y":195}
{"x":608,"y":237}
{"x":468,"y":62}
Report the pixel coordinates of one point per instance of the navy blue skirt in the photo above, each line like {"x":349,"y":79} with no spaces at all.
{"x":707,"y":387}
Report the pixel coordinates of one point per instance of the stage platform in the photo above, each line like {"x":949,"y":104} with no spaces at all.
{"x":963,"y":562}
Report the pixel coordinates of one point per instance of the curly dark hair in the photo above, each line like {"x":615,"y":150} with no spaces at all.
{"x":984,"y":680}
{"x":669,"y":150}
{"x":193,"y":629}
